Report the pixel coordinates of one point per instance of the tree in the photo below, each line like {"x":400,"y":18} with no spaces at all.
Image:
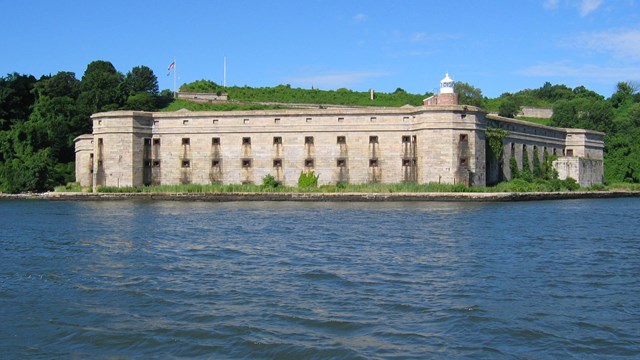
{"x":583,"y":113}
{"x":624,"y":93}
{"x":27,"y":171}
{"x":509,"y":107}
{"x":62,"y":84}
{"x":100,"y":88}
{"x":16,"y":98}
{"x":142,"y":101}
{"x":141,"y":79}
{"x":467,"y":94}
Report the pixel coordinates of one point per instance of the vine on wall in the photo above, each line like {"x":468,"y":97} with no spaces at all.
{"x":495,"y":138}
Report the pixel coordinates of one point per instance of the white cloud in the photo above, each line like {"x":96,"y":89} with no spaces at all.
{"x":422,"y":37}
{"x":419,"y":37}
{"x":586,"y":71}
{"x":588,"y":6}
{"x":360,"y":17}
{"x":336,"y":79}
{"x":550,"y":4}
{"x":622,"y":43}
{"x":585,"y":7}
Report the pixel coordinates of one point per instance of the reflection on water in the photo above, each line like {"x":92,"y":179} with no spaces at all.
{"x":320,"y":280}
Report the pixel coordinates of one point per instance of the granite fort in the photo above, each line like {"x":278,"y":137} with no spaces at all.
{"x":440,"y":141}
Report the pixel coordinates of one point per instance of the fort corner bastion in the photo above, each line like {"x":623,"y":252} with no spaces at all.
{"x":441,"y":142}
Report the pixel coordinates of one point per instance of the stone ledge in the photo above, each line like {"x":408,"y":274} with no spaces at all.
{"x":317,"y":197}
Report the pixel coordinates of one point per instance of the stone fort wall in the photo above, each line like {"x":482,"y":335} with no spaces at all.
{"x":357,"y":145}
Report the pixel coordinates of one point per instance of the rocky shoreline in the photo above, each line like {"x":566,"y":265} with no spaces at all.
{"x":339,"y":197}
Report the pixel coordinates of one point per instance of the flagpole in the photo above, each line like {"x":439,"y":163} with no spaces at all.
{"x":224,"y":83}
{"x":175,"y":70}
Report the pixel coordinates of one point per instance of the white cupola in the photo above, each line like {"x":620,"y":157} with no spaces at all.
{"x":446,"y":85}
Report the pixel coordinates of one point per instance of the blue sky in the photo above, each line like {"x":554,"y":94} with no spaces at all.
{"x":496,"y":45}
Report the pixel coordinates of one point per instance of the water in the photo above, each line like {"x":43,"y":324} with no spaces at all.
{"x":134,"y":279}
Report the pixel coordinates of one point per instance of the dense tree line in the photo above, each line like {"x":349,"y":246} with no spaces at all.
{"x":39,"y":119}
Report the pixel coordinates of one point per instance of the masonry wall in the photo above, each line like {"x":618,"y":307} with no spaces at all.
{"x":586,"y":172}
{"x":443,"y":144}
{"x":84,"y":160}
{"x":534,"y":139}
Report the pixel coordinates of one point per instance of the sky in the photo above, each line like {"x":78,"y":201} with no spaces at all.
{"x":497,"y":46}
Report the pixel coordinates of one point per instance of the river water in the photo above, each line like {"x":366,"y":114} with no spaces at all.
{"x":292,"y":280}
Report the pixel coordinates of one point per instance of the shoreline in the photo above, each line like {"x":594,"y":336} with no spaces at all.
{"x":326,"y":197}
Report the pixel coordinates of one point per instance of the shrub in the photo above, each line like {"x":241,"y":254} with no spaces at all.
{"x":308,"y":180}
{"x":270,"y":182}
{"x":513,"y":166}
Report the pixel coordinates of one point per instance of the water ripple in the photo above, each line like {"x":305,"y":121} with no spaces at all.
{"x":320,"y":280}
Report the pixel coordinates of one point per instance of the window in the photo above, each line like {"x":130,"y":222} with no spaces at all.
{"x":463,"y":161}
{"x":147,"y":163}
{"x":308,"y":163}
{"x":100,"y":142}
{"x":342,"y":140}
{"x":156,"y":141}
{"x":185,"y":122}
{"x":373,"y":162}
{"x":406,"y":162}
{"x":405,"y":119}
{"x":215,"y":141}
{"x":215,"y":163}
{"x":186,"y":163}
{"x":277,"y":140}
{"x":308,"y":120}
{"x":373,"y":118}
{"x":155,"y":163}
{"x":156,"y":122}
{"x":147,"y":142}
{"x":186,"y":141}
{"x":308,"y":140}
{"x":341,"y":162}
{"x":214,"y":121}
{"x":246,"y":163}
{"x":406,"y":139}
{"x":277,"y":163}
{"x":246,"y":141}
{"x":373,"y":139}
{"x":245,"y":121}
{"x":340,"y":119}
{"x":464,"y":137}
{"x":276,"y":121}
{"x":569,"y":152}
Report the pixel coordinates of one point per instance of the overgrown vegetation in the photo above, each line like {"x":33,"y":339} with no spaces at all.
{"x":179,"y":104}
{"x":307,"y":180}
{"x":288,"y":94}
{"x":495,"y":140}
{"x":517,"y":185}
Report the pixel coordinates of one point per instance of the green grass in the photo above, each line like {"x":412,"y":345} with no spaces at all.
{"x":541,"y":121}
{"x":517,"y":185}
{"x":179,"y":104}
{"x":623,"y":187}
{"x":70,"y":187}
